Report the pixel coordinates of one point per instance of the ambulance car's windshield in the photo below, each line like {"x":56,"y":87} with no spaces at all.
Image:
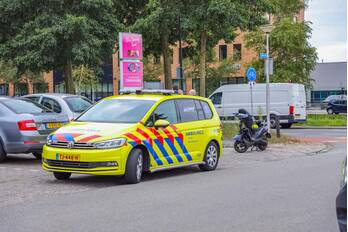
{"x":117,"y":111}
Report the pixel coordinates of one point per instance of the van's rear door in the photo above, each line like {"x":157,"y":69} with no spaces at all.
{"x":299,"y":103}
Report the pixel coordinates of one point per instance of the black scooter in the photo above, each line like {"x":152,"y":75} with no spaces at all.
{"x":249,"y":137}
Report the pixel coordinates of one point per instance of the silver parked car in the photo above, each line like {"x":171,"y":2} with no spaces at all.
{"x":71,"y":105}
{"x":25,"y":125}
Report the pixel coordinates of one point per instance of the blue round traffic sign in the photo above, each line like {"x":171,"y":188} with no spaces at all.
{"x":251,"y":74}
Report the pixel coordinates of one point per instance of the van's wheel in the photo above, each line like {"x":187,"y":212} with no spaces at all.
{"x":62,"y":175}
{"x":272,"y":122}
{"x":240,"y":147}
{"x":134,"y":167}
{"x":330,"y":111}
{"x":3,"y":154}
{"x":38,"y":155}
{"x":211,"y":157}
{"x":286,"y":125}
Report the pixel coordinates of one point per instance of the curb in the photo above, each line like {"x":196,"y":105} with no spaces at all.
{"x":318,"y":127}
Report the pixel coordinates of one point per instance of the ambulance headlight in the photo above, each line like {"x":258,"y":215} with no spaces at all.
{"x":108,"y":144}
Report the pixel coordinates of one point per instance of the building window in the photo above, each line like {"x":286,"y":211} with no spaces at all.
{"x":222,"y":52}
{"x":233,"y":80}
{"x":20,"y":89}
{"x":3,"y":89}
{"x":40,"y":88}
{"x":318,"y":96}
{"x":237,"y":52}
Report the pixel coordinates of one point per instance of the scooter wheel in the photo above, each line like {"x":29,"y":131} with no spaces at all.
{"x":262,"y":146}
{"x":240,"y":147}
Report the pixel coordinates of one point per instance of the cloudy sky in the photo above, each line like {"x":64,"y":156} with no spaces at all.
{"x":329,"y":36}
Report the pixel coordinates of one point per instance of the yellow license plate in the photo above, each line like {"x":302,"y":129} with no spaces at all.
{"x":68,"y":157}
{"x":54,"y":125}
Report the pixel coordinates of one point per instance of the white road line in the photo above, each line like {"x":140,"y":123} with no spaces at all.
{"x":3,"y":167}
{"x":34,"y":170}
{"x":331,"y":141}
{"x":18,"y":169}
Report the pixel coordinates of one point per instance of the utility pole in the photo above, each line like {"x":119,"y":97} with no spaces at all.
{"x":267,"y":29}
{"x":268,"y":99}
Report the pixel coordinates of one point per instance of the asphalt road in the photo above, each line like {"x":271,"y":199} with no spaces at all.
{"x":283,"y":189}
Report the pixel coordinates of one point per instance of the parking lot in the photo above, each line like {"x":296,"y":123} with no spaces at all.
{"x":287,"y":188}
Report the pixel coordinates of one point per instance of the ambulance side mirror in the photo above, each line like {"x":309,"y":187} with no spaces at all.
{"x":161,"y":123}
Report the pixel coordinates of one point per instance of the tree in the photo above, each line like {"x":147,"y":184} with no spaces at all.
{"x":159,"y":26}
{"x":152,"y":69}
{"x":43,"y":35}
{"x":9,"y":73}
{"x":212,"y":20}
{"x":84,"y":77}
{"x":294,"y":57}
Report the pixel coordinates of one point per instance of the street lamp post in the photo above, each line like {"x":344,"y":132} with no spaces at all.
{"x":267,"y":29}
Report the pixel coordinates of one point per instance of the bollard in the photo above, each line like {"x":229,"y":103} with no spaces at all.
{"x":277,"y":126}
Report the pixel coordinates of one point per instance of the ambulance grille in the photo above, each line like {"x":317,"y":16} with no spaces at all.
{"x":61,"y":144}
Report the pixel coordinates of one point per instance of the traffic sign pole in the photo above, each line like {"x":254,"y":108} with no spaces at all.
{"x":251,"y":75}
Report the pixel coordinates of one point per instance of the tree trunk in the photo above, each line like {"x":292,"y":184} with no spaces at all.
{"x":69,"y":83}
{"x":166,"y":62}
{"x":202,"y":61}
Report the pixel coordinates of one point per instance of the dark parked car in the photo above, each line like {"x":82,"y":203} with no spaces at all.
{"x":324,"y":103}
{"x":337,"y":106}
{"x":341,"y":200}
{"x":25,"y":125}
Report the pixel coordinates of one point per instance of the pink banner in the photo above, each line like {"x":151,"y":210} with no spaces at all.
{"x":131,"y":75}
{"x":131,"y":46}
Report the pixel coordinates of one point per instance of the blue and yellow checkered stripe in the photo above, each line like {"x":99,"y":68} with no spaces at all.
{"x":165,"y":146}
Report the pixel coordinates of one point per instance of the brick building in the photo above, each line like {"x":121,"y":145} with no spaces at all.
{"x":109,"y":82}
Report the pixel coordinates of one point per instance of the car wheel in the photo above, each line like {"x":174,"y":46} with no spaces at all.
{"x":38,"y":155}
{"x":62,"y":175}
{"x":272,"y":122}
{"x":240,"y":147}
{"x":211,"y":157}
{"x":134,"y":167}
{"x":330,"y":111}
{"x":3,"y":154}
{"x":286,"y":125}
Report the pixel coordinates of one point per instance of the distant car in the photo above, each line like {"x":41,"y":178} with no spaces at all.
{"x":341,"y":200}
{"x":25,"y":125}
{"x":71,"y":105}
{"x":325,"y":102}
{"x":337,"y":106}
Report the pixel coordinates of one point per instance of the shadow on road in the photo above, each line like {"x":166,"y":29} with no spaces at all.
{"x":22,"y":159}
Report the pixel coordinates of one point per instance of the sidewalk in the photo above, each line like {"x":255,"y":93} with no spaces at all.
{"x":316,"y":127}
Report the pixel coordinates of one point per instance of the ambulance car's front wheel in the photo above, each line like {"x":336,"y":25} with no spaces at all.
{"x":134,"y":167}
{"x":62,"y":175}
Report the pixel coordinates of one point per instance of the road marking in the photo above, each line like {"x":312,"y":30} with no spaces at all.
{"x":3,"y":167}
{"x":18,"y":169}
{"x":34,"y":170}
{"x":331,"y":141}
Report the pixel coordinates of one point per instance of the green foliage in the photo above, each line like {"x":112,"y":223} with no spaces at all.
{"x":294,"y":57}
{"x":84,"y":77}
{"x":152,"y":70}
{"x":325,"y":120}
{"x":9,"y":73}
{"x":52,"y":34}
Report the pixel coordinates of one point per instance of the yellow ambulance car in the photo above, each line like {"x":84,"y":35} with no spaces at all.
{"x":134,"y":133}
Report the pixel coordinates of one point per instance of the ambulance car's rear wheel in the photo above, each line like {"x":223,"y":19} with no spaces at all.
{"x":134,"y":167}
{"x":211,"y":157}
{"x":62,"y":175}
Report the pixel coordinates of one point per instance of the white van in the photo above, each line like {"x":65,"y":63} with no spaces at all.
{"x":288,"y":101}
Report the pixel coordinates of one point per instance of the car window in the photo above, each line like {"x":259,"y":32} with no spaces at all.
{"x":77,"y":104}
{"x":34,"y":98}
{"x":199,"y":110}
{"x":51,"y":104}
{"x":24,"y":106}
{"x":207,"y":110}
{"x":166,"y":110}
{"x":187,"y":110}
{"x":117,"y":111}
{"x":216,"y":98}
